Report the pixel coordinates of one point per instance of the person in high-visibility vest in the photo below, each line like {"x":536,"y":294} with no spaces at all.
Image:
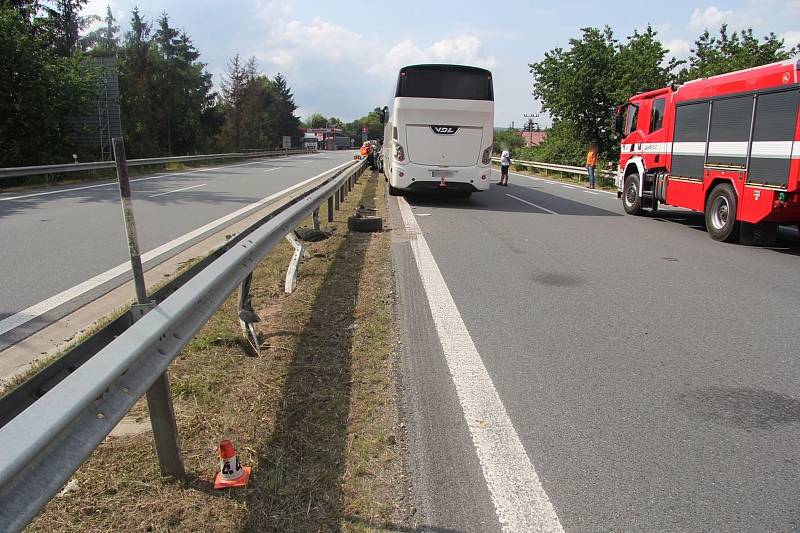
{"x":591,"y":163}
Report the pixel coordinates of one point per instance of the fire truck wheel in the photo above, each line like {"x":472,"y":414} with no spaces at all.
{"x":631,"y":200}
{"x":721,"y":214}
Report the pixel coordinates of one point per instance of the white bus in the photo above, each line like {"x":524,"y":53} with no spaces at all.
{"x":439,"y":129}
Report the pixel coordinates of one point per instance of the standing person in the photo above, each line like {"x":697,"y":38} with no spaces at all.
{"x":505,"y":162}
{"x":591,"y":163}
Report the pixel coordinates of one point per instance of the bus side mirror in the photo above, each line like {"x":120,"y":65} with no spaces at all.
{"x":383,"y":114}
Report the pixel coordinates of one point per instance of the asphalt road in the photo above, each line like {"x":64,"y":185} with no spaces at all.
{"x":55,"y":239}
{"x":650,"y":374}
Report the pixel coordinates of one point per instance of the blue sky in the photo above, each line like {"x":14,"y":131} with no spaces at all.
{"x":341,"y":57}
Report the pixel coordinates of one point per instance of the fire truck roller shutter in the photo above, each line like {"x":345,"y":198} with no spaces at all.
{"x":730,"y":131}
{"x":689,"y":146}
{"x":773,"y":134}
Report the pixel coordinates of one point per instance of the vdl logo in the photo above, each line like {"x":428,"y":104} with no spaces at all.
{"x":444,"y":130}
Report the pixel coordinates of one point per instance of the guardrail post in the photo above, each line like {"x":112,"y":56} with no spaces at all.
{"x":337,"y":198}
{"x":159,"y":400}
{"x":247,"y":316}
{"x":330,"y":209}
{"x":294,"y":263}
{"x":315,"y":218}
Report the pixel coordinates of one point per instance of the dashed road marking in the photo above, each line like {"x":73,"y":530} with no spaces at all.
{"x":519,"y":499}
{"x":177,"y":190}
{"x":532,"y":204}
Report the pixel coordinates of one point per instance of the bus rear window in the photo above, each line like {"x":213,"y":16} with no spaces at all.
{"x":445,"y":82}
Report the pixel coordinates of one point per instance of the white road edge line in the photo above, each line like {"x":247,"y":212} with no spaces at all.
{"x":37,"y":310}
{"x":532,"y":204}
{"x":520,"y":501}
{"x":271,"y":169}
{"x":177,"y":190}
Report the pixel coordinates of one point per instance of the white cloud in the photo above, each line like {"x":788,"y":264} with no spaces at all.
{"x":711,"y":18}
{"x":269,"y":10}
{"x":790,"y":38}
{"x":678,"y":48}
{"x":793,"y":5}
{"x":292,"y":43}
{"x":464,"y":49}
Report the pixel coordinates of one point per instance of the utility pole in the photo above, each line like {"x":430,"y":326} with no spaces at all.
{"x":530,"y":117}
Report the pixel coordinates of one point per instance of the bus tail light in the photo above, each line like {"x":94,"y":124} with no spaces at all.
{"x":487,"y":156}
{"x":399,"y":153}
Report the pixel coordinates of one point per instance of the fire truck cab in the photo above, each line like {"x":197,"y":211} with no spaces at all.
{"x":727,"y":146}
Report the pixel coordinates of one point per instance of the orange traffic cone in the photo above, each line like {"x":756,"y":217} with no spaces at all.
{"x":232,"y":473}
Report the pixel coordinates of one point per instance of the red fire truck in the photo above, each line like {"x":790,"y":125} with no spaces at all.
{"x":728,"y":146}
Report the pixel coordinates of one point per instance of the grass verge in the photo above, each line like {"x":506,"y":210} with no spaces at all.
{"x":314,"y":416}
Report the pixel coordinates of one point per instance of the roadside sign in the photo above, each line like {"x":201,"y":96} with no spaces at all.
{"x":287,"y":142}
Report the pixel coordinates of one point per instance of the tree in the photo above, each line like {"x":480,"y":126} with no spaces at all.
{"x":40,"y":90}
{"x":167,"y":100}
{"x":285,"y":121}
{"x":316,"y":120}
{"x":105,"y":38}
{"x":258,"y":111}
{"x":67,"y":24}
{"x":508,"y":139}
{"x":371,"y":121}
{"x":234,"y":81}
{"x":581,"y":86}
{"x":726,"y":53}
{"x":138,"y":61}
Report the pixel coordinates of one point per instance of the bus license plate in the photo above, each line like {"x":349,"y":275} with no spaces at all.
{"x":442,"y":173}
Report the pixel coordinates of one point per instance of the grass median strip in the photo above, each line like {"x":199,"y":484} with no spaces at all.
{"x":315,"y":415}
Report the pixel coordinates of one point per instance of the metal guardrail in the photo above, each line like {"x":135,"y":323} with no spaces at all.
{"x":567,"y":169}
{"x":12,"y":172}
{"x":47,"y":442}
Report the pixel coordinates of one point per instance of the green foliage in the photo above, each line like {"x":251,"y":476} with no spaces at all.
{"x":316,"y":120}
{"x":510,"y":139}
{"x":581,"y":86}
{"x":166,"y":93}
{"x":257,"y":111}
{"x":560,"y":145}
{"x":167,"y":101}
{"x":40,"y":89}
{"x":371,"y":121}
{"x":726,"y":53}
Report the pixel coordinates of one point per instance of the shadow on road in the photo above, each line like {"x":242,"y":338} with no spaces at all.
{"x":788,"y":241}
{"x":497,"y":199}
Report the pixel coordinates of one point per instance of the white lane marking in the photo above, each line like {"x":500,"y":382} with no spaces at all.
{"x":114,"y":183}
{"x":36,"y":310}
{"x":423,"y":214}
{"x":519,"y":499}
{"x":177,"y":190}
{"x":271,"y":169}
{"x":568,"y":186}
{"x":590,"y":191}
{"x":532,"y":204}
